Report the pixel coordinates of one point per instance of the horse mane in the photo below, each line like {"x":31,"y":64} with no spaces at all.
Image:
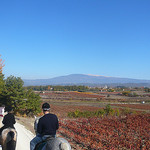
{"x":36,"y":123}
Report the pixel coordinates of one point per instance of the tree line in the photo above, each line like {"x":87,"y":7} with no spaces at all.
{"x":59,"y":88}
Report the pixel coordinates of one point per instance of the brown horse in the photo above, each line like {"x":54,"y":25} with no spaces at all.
{"x":8,"y":139}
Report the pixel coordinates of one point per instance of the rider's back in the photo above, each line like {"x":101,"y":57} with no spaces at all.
{"x":9,"y":120}
{"x":48,"y":124}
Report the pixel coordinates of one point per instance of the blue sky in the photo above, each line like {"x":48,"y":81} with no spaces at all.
{"x":47,"y":38}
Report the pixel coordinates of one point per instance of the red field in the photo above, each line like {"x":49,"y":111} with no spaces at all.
{"x":131,"y":132}
{"x":134,"y":106}
{"x":71,"y":95}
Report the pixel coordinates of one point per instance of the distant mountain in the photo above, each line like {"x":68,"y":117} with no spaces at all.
{"x":92,"y":80}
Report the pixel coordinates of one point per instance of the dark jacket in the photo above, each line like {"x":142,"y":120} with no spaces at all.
{"x":48,"y":124}
{"x":9,"y":120}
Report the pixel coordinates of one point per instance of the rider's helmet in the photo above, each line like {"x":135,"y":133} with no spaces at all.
{"x":46,"y":107}
{"x":8,"y":109}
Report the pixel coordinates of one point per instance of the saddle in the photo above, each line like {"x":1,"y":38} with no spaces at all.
{"x":41,"y":144}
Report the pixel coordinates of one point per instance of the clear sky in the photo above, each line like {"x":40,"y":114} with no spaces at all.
{"x":42,"y":39}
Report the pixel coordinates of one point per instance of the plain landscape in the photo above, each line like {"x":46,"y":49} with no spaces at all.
{"x":88,"y":59}
{"x":99,"y":118}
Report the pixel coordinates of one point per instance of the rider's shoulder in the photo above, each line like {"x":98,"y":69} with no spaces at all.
{"x":49,"y":115}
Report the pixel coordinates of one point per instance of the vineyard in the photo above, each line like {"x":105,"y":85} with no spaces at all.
{"x":92,"y":127}
{"x":130,"y":132}
{"x":74,"y":96}
{"x":71,"y":96}
{"x":134,"y":106}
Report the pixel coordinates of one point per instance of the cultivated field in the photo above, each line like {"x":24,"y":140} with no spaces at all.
{"x":128,"y":129}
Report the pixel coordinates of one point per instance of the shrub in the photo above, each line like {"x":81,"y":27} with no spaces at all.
{"x":108,"y":110}
{"x":126,"y":93}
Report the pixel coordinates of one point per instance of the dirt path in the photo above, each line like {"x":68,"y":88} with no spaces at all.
{"x":24,"y":137}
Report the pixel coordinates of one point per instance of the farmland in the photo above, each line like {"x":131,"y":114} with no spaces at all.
{"x":97,"y":99}
{"x":131,"y":132}
{"x":129,"y":129}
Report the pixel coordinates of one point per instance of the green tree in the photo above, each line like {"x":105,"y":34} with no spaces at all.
{"x":14,"y":92}
{"x":22,"y":100}
{"x":33,"y":103}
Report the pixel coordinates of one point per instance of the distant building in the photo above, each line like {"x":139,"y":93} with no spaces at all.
{"x":105,"y":87}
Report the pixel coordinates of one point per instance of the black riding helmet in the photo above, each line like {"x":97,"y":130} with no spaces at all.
{"x":8,"y":109}
{"x":46,"y":107}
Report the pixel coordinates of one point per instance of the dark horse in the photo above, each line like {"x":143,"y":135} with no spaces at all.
{"x":8,"y":139}
{"x":52,"y":143}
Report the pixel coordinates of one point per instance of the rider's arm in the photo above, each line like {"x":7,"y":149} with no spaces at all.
{"x":57,"y":124}
{"x":13,"y":119}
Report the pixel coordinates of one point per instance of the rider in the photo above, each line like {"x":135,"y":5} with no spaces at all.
{"x":8,"y":120}
{"x":47,"y":126}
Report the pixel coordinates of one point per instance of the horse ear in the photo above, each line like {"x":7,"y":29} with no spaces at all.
{"x":64,"y":146}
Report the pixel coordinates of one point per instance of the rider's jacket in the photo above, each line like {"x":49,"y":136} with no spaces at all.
{"x":48,"y":124}
{"x":9,"y":120}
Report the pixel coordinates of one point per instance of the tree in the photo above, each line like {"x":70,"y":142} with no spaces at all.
{"x":14,"y":92}
{"x":33,"y":103}
{"x":22,"y":100}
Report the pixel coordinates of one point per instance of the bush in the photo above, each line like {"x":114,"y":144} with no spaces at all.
{"x":99,"y":113}
{"x":126,"y":93}
{"x":126,"y":111}
{"x":108,"y":110}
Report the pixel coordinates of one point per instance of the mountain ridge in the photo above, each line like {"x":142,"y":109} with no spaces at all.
{"x":85,"y":79}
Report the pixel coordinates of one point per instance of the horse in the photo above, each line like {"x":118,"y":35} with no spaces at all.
{"x":57,"y":143}
{"x":8,"y":139}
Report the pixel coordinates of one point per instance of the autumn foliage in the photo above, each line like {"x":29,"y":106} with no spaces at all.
{"x":1,"y":65}
{"x":130,"y":132}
